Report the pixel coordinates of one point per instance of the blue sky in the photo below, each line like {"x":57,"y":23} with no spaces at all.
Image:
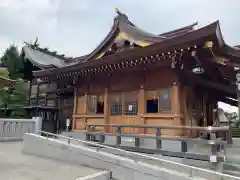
{"x":76,"y":27}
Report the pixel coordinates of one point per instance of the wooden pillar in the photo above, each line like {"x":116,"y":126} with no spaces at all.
{"x":85,"y":108}
{"x":46,"y":96}
{"x":37,"y":95}
{"x":175,"y":102}
{"x":141,"y":109}
{"x":30,"y":92}
{"x":185,"y":111}
{"x":75,"y":105}
{"x":175,"y":99}
{"x":205,"y":109}
{"x":106,"y":109}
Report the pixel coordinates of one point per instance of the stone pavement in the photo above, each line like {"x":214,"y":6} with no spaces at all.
{"x":16,"y":166}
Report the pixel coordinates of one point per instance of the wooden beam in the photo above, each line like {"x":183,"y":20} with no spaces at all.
{"x":29,"y":92}
{"x":106,"y":108}
{"x":198,"y":80}
{"x":85,"y":108}
{"x":37,"y":95}
{"x":75,"y":108}
{"x":141,"y":109}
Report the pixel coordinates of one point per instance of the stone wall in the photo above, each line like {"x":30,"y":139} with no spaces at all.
{"x":14,"y":129}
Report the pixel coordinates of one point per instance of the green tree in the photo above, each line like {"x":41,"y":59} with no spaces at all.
{"x":233,"y":119}
{"x":4,"y":72}
{"x":14,"y":63}
{"x":14,"y":98}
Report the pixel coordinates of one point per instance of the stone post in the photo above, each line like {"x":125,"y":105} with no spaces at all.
{"x":38,"y":124}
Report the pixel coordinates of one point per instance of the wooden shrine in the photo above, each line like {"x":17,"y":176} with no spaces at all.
{"x":135,"y":77}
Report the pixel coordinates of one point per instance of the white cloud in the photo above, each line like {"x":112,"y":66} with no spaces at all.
{"x":23,"y":20}
{"x":76,"y":27}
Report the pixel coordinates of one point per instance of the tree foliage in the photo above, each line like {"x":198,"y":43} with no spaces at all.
{"x":14,"y":98}
{"x":233,"y":119}
{"x":14,"y":63}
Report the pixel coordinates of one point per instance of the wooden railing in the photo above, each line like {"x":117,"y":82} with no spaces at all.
{"x":215,"y":143}
{"x":212,"y":131}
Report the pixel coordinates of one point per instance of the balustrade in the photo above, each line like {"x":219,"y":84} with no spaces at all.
{"x":14,"y":129}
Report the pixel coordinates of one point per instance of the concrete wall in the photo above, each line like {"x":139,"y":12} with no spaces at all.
{"x":121,"y":168}
{"x":104,"y":175}
{"x":14,"y":129}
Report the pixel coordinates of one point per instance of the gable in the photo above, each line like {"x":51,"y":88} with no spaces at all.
{"x":122,"y":41}
{"x":124,"y":35}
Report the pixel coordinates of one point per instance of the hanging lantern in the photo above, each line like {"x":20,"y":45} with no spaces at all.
{"x":197,"y":70}
{"x":193,"y":53}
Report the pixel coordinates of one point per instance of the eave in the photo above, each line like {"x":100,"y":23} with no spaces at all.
{"x":232,"y":53}
{"x":169,"y":46}
{"x":41,"y":58}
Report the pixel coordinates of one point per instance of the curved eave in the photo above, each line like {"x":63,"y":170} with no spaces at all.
{"x":210,"y":32}
{"x":139,"y":34}
{"x":40,"y":66}
{"x":104,"y":43}
{"x":40,"y":59}
{"x":233,"y":54}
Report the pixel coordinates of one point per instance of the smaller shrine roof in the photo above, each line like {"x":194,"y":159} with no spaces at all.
{"x":43,"y":58}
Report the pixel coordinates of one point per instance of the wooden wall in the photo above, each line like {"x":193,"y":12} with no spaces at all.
{"x":196,"y":105}
{"x":142,"y":83}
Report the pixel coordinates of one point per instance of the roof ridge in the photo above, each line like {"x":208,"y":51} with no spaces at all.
{"x":179,"y":29}
{"x":47,"y":51}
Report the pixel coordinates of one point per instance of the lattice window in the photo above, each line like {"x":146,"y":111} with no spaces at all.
{"x":41,"y":101}
{"x":116,"y":105}
{"x":51,"y":103}
{"x":165,"y":99}
{"x":158,"y":100}
{"x":95,"y":104}
{"x":130,"y":103}
{"x":69,"y":101}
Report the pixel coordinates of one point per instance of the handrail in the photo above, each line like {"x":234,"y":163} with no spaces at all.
{"x":142,"y":155}
{"x":16,"y":120}
{"x":208,"y":129}
{"x":216,"y":141}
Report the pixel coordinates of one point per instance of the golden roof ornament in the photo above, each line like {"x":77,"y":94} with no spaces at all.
{"x":208,"y":44}
{"x":116,"y":10}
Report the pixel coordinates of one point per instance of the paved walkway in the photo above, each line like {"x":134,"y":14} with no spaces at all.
{"x":16,"y":166}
